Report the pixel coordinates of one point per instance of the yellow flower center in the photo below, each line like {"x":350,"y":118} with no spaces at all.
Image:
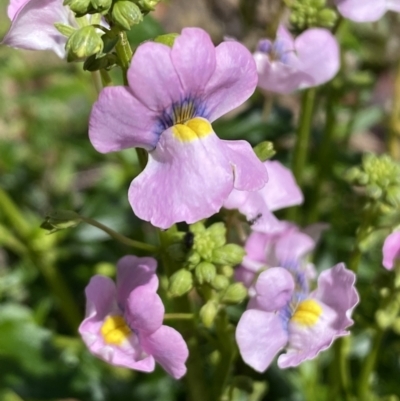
{"x":114,"y":330}
{"x":307,"y":313}
{"x":192,"y":129}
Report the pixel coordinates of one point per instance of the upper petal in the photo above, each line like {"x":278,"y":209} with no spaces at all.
{"x":391,"y":250}
{"x":318,"y":55}
{"x":183,"y":180}
{"x":393,"y":5}
{"x":134,"y":272}
{"x":153,"y":79}
{"x":362,"y":11}
{"x":233,"y":81}
{"x":260,"y":336}
{"x":169,"y":349}
{"x":281,"y":190}
{"x":119,"y":121}
{"x":249,"y":172}
{"x":14,"y":6}
{"x":144,"y":310}
{"x":292,"y":246}
{"x":193,"y":56}
{"x":33,"y":26}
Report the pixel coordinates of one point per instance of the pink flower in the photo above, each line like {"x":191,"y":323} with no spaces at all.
{"x":173,"y":95}
{"x":288,"y":316}
{"x":366,"y":10}
{"x":391,"y":250}
{"x":288,"y":64}
{"x":32,"y":25}
{"x":123,"y":324}
{"x":281,"y":191}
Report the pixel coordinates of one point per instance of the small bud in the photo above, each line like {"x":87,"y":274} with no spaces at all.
{"x":192,"y":260}
{"x":126,"y":14}
{"x":264,"y":150}
{"x":180,"y":283}
{"x":318,"y":3}
{"x":83,"y":43}
{"x":197,"y":228}
{"x":234,"y":294}
{"x":60,"y":220}
{"x":65,"y":30}
{"x":217,"y":233}
{"x":227,"y":271}
{"x":220,"y":282}
{"x":208,"y":312}
{"x":230,"y":254}
{"x":94,"y":63}
{"x":205,"y":272}
{"x":167,"y":39}
{"x":79,"y":7}
{"x":101,"y":6}
{"x":327,"y":17}
{"x":147,"y":5}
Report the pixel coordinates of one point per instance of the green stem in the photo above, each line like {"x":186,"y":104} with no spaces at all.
{"x":124,"y":53}
{"x":394,"y":128}
{"x":369,"y":365}
{"x":178,"y":316}
{"x":340,"y":373}
{"x":119,"y":237}
{"x":105,"y":78}
{"x":324,"y":155}
{"x":303,"y":134}
{"x":97,"y":81}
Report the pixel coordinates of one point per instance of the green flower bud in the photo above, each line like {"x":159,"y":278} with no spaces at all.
{"x":327,"y":17}
{"x":318,"y":3}
{"x":79,"y":7}
{"x":83,"y":43}
{"x":192,"y":260}
{"x":61,"y":220}
{"x":217,"y":233}
{"x":393,"y":195}
{"x":234,"y":294}
{"x":65,"y":30}
{"x":205,"y":272}
{"x":197,"y":228}
{"x":264,"y":150}
{"x":180,"y":283}
{"x":126,"y":14}
{"x":220,"y":282}
{"x":208,"y":312}
{"x":227,"y":271}
{"x":167,"y":39}
{"x":101,"y":6}
{"x":147,"y":5}
{"x":230,"y":254}
{"x":94,"y":63}
{"x":374,"y":191}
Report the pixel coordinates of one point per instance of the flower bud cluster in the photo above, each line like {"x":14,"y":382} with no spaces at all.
{"x":208,"y":264}
{"x":310,"y":13}
{"x":380,"y":176}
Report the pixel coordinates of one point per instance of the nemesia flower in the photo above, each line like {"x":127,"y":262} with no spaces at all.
{"x":288,"y":64}
{"x":123,"y":324}
{"x":391,"y":250}
{"x":32,"y":25}
{"x":173,"y":96}
{"x":280,"y":191}
{"x":288,"y":316}
{"x":366,"y":10}
{"x":285,"y":248}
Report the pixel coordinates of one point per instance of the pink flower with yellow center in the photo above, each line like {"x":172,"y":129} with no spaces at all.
{"x":173,"y":96}
{"x":123,"y":323}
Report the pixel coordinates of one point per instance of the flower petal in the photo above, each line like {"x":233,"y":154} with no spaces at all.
{"x":362,"y":11}
{"x":293,"y":246}
{"x":281,"y":190}
{"x":33,"y":26}
{"x":260,"y":336}
{"x":233,"y":82}
{"x":318,"y":55}
{"x":183,"y":180}
{"x":134,"y":272}
{"x":393,"y":5}
{"x":119,"y":121}
{"x":169,"y":349}
{"x":152,"y":77}
{"x":274,"y":289}
{"x":193,"y":56}
{"x":14,"y":6}
{"x":144,"y":310}
{"x":391,"y":250}
{"x":250,"y":174}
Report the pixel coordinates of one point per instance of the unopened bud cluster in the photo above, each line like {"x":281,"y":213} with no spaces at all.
{"x":208,"y":264}
{"x":380,"y":176}
{"x":311,"y":13}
